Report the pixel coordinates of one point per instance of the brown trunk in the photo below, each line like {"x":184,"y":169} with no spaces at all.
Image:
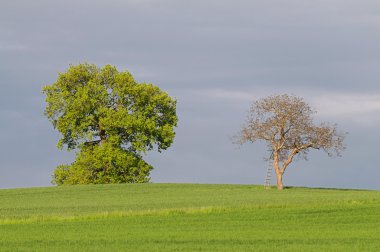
{"x":279,"y":174}
{"x":102,"y":140}
{"x":280,"y":185}
{"x":102,"y":135}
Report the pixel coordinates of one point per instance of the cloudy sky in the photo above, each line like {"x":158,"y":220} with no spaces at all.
{"x":215,"y":57}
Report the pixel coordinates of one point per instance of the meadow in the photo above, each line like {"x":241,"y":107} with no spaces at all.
{"x":188,"y":217}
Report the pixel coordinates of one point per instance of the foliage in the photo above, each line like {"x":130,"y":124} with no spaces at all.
{"x":188,"y":217}
{"x":285,"y":123}
{"x":103,"y":164}
{"x":111,"y":120}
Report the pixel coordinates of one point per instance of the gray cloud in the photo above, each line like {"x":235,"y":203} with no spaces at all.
{"x":215,"y":57}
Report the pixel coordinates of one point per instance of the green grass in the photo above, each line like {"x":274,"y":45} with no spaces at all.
{"x":188,"y":217}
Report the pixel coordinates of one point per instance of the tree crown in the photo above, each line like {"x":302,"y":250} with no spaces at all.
{"x":89,"y":105}
{"x":285,"y":122}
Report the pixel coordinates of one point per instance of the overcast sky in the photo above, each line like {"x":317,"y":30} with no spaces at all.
{"x":216,"y":57}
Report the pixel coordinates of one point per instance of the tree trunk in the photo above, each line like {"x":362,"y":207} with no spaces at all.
{"x":280,"y":185}
{"x":102,"y":135}
{"x":279,"y":174}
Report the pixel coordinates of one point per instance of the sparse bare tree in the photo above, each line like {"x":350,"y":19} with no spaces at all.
{"x":285,"y":123}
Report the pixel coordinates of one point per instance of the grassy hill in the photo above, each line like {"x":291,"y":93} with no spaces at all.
{"x":188,"y":217}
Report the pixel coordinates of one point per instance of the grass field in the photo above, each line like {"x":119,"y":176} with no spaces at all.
{"x":188,"y":217}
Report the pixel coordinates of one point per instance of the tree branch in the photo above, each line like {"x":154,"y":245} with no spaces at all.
{"x":95,"y":142}
{"x":289,"y":160}
{"x":293,"y":153}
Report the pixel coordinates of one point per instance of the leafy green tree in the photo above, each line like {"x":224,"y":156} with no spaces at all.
{"x":110,"y":120}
